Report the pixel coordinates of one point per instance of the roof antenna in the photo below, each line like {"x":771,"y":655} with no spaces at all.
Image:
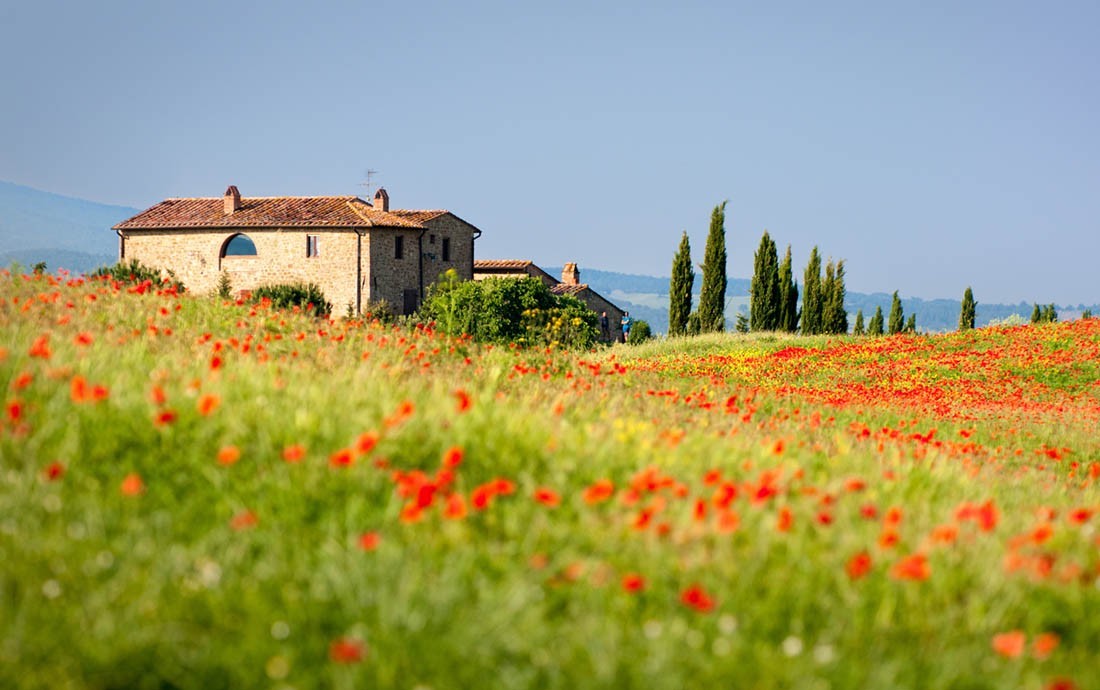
{"x":368,"y":183}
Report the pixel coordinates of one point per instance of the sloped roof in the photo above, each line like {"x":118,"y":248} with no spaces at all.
{"x":281,"y":211}
{"x":569,"y":288}
{"x":501,"y":264}
{"x":418,"y":216}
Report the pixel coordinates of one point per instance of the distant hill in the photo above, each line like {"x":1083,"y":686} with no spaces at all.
{"x":646,"y":297}
{"x":62,"y":231}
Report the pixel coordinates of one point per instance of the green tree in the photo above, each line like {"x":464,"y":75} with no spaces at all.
{"x":1050,"y":314}
{"x":712,"y":298}
{"x":764,"y":305}
{"x":639,"y":333}
{"x":911,"y":324}
{"x":741,"y":323}
{"x":967,"y":313}
{"x":679,"y":291}
{"x":875,"y":326}
{"x":897,"y":316}
{"x":788,"y":295}
{"x":834,"y":319}
{"x":811,"y":295}
{"x":858,"y":328}
{"x":1087,"y":314}
{"x":1036,"y":314}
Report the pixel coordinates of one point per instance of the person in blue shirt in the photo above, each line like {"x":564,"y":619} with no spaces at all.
{"x":627,"y":322}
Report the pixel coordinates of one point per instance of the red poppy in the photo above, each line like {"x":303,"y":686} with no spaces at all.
{"x":547,"y":497}
{"x":54,"y":471}
{"x":912,"y":567}
{"x":858,"y":565}
{"x":208,"y":403}
{"x":599,"y":491}
{"x":228,"y":455}
{"x":132,"y":485}
{"x":341,"y":458}
{"x":366,"y":442}
{"x":633,"y":582}
{"x":294,"y":453}
{"x":243,"y":520}
{"x":452,"y":457}
{"x":369,"y":541}
{"x":347,"y":650}
{"x":696,"y":597}
{"x":1044,"y":645}
{"x":464,"y":401}
{"x":455,"y":508}
{"x":1009,"y":644}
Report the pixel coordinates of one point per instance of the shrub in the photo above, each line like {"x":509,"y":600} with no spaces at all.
{"x":225,"y":286}
{"x":308,"y":297}
{"x":640,"y":333}
{"x":503,"y":310}
{"x":136,"y":272}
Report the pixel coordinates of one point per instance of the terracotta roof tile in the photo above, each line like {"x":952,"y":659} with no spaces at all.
{"x":508,"y":264}
{"x":569,"y":288}
{"x":312,"y":211}
{"x":417,"y":216}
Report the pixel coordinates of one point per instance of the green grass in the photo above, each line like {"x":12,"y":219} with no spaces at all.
{"x":245,"y":574}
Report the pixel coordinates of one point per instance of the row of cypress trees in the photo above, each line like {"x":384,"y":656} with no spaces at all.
{"x":773,"y":293}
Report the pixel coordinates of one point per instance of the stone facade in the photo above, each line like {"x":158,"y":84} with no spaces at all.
{"x":359,"y":255}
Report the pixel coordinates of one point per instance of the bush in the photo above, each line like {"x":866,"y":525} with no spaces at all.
{"x":136,"y":272}
{"x":505,"y":310}
{"x":640,"y":333}
{"x":307,"y":297}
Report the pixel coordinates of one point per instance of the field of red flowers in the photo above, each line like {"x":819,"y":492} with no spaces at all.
{"x":208,"y":494}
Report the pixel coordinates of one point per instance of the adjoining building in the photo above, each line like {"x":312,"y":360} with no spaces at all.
{"x":570,"y":284}
{"x":358,"y":253}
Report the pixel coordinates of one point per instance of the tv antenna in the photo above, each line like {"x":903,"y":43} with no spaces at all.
{"x":368,"y":184}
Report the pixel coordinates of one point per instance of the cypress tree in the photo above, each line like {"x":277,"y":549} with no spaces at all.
{"x":712,"y":299}
{"x":967,"y":312}
{"x":1050,"y":313}
{"x":911,"y":324}
{"x":788,"y":295}
{"x":811,"y":295}
{"x":858,"y":328}
{"x":875,"y":327}
{"x":897,"y":316}
{"x":1036,"y":315}
{"x":764,"y":288}
{"x":1087,"y":314}
{"x":834,"y":318}
{"x":679,"y":291}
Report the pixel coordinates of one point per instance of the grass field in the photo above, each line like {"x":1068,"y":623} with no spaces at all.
{"x":198,"y":494}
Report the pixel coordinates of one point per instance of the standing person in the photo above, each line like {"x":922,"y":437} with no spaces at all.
{"x":627,"y":322}
{"x":605,"y":328}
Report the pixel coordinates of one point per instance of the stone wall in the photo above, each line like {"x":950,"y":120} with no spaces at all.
{"x":594,"y":301}
{"x":388,"y":276}
{"x":193,"y":254}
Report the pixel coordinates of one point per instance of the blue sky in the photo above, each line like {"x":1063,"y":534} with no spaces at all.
{"x":931,"y":145}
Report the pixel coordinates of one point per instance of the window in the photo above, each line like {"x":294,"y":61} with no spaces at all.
{"x":311,"y":245}
{"x":446,"y":248}
{"x":399,"y":247}
{"x":431,"y":239}
{"x":239,"y":245}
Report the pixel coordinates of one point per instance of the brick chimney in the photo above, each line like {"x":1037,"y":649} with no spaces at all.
{"x":232,"y":200}
{"x":570,"y":274}
{"x":381,"y":200}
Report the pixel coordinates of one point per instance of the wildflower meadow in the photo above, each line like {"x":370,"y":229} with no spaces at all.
{"x":201,"y":493}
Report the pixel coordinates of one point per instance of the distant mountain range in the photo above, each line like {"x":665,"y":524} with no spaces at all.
{"x":76,"y":234}
{"x":62,"y":231}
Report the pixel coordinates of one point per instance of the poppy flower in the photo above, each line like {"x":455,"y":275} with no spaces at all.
{"x":207,"y":404}
{"x":547,"y":497}
{"x":455,"y":508}
{"x":464,"y":401}
{"x":54,"y":471}
{"x":347,"y":650}
{"x":633,"y":583}
{"x":228,"y":455}
{"x":369,"y":541}
{"x":858,"y":565}
{"x":366,"y":442}
{"x":294,"y":453}
{"x":132,"y":485}
{"x":341,"y":458}
{"x":1009,"y":644}
{"x":599,"y":491}
{"x":695,"y":597}
{"x":1044,"y":645}
{"x":452,"y":457}
{"x":243,"y":520}
{"x":912,"y":567}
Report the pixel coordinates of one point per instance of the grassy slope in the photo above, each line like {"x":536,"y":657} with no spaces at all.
{"x":245,"y":573}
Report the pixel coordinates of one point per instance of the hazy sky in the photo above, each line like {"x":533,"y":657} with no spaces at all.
{"x":931,"y":145}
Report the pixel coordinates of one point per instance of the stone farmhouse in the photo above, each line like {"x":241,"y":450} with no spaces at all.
{"x":570,"y":284}
{"x":358,"y":253}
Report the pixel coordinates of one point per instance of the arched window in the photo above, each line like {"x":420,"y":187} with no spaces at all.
{"x":239,"y":245}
